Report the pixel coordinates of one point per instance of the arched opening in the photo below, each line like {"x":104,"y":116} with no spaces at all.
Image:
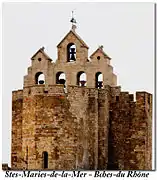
{"x":71,"y":52}
{"x":60,"y":78}
{"x":81,"y":79}
{"x":98,"y":80}
{"x":45,"y":159}
{"x":39,"y":78}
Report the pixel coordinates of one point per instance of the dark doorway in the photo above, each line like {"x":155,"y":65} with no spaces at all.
{"x":45,"y":159}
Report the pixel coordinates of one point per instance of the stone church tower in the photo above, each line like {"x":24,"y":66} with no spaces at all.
{"x":71,"y":114}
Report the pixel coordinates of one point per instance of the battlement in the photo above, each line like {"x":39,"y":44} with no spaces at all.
{"x":88,"y":112}
{"x":143,"y":97}
{"x":43,"y":90}
{"x":18,"y":94}
{"x":144,"y":103}
{"x":115,"y":91}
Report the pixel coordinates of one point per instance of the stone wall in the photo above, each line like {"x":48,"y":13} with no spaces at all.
{"x":5,"y":167}
{"x":103,"y":125}
{"x":141,"y":138}
{"x":71,"y":69}
{"x":60,"y":124}
{"x":130,"y":132}
{"x":16,"y":148}
{"x":81,"y":128}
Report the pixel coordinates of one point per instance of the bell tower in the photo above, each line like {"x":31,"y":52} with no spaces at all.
{"x":72,"y":48}
{"x":71,"y":114}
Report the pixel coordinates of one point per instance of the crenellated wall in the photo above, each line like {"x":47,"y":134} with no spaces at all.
{"x":130,"y":132}
{"x":81,"y":128}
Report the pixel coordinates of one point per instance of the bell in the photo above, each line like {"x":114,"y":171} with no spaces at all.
{"x":41,"y":82}
{"x":72,"y":50}
{"x":100,"y":84}
{"x":72,"y":54}
{"x":62,"y":81}
{"x":82,"y":83}
{"x":72,"y":57}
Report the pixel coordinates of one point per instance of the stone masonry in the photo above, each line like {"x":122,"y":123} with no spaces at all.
{"x":69,"y":126}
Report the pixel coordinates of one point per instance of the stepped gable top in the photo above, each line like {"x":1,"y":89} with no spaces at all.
{"x":42,"y":51}
{"x":100,"y":50}
{"x":77,"y":36}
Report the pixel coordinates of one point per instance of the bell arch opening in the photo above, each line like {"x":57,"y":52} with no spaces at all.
{"x":60,"y":78}
{"x":71,"y":52}
{"x":81,"y":79}
{"x":39,"y":78}
{"x":45,"y":159}
{"x":99,"y":80}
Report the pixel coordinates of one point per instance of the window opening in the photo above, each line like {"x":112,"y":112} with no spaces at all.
{"x":39,"y":78}
{"x":99,"y":80}
{"x":81,"y":79}
{"x":60,"y":78}
{"x":71,"y":52}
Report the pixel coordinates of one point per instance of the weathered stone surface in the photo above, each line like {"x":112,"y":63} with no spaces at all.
{"x":130,"y":137}
{"x":84,"y":129}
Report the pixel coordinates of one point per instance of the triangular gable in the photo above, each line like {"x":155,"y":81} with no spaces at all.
{"x":77,"y":36}
{"x":100,"y":50}
{"x":42,"y":51}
